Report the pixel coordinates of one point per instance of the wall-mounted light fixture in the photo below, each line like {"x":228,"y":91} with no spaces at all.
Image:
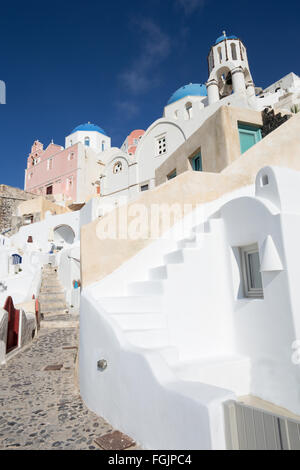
{"x":102,"y":364}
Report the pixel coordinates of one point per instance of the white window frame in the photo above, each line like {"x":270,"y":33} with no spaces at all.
{"x":249,"y":291}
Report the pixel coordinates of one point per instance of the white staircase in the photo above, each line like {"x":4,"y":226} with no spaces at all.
{"x":139,"y":313}
{"x":225,"y":372}
{"x":168,"y":339}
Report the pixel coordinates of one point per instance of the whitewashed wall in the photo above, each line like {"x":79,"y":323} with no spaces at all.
{"x":69,"y":271}
{"x":42,"y":232}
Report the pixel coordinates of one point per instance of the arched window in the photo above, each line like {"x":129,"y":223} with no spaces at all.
{"x":210,"y":62}
{"x":117,"y":167}
{"x":16,"y":259}
{"x":63,"y":234}
{"x":87,"y":141}
{"x":233,"y":51}
{"x":103,"y":145}
{"x":189,"y":110}
{"x":220,"y":54}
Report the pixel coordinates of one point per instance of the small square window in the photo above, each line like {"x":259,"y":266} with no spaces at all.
{"x":144,"y":187}
{"x":251,"y":271}
{"x":172,"y":175}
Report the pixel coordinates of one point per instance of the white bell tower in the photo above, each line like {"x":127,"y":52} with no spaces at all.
{"x":228,"y":69}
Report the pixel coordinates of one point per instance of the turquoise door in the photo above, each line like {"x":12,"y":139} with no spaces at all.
{"x":197,"y":162}
{"x":249,"y":136}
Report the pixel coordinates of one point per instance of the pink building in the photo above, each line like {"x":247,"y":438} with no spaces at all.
{"x":131,"y":142}
{"x":69,"y":173}
{"x":52,"y":171}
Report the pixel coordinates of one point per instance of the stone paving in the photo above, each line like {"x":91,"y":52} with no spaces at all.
{"x":43,"y":409}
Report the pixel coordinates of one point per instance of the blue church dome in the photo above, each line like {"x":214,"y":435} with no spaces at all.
{"x":193,"y":89}
{"x":221,"y":38}
{"x":88,"y":127}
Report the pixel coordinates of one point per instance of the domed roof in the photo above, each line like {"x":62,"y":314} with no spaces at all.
{"x":221,"y":38}
{"x":193,"y":89}
{"x":88,"y":127}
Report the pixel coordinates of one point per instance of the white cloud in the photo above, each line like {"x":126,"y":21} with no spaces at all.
{"x":143,"y":73}
{"x":127,"y":108}
{"x":190,"y":6}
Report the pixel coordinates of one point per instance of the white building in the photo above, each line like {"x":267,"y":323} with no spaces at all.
{"x":191,"y":327}
{"x":190,"y":339}
{"x":229,"y":83}
{"x":119,"y":175}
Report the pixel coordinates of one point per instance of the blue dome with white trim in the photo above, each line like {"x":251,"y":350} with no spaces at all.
{"x":193,"y":89}
{"x":89,"y":127}
{"x":221,"y":38}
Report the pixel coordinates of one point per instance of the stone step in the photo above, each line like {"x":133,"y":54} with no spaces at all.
{"x":61,"y":315}
{"x":51,"y":293}
{"x":189,"y":242}
{"x":56,"y":287}
{"x":51,"y":290}
{"x":174,"y":257}
{"x":60,"y":324}
{"x":157,"y":273}
{"x":50,"y":284}
{"x":49,"y":297}
{"x":52,"y":306}
{"x":53,"y":310}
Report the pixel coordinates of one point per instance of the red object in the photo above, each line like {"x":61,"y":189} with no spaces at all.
{"x":33,"y":296}
{"x":13,"y":325}
{"x":37,"y":312}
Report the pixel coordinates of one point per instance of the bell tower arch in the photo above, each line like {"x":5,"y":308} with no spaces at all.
{"x":228,"y":69}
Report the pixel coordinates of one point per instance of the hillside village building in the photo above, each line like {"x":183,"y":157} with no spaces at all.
{"x":189,"y":339}
{"x":89,"y":166}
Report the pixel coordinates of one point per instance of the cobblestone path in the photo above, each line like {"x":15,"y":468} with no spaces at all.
{"x":43,"y":409}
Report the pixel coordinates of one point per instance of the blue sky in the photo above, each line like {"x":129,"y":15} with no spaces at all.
{"x":116,"y":63}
